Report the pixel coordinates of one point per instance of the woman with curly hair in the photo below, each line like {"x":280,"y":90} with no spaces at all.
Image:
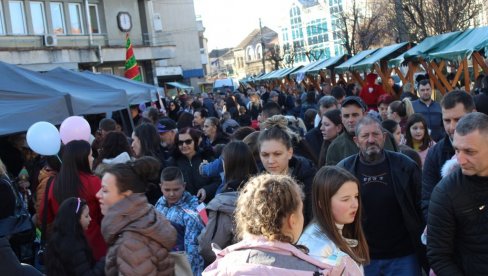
{"x":269,"y":220}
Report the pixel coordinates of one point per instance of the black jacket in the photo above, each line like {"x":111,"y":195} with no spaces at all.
{"x":405,"y":175}
{"x":10,"y":265}
{"x":457,"y":232}
{"x":195,"y":181}
{"x":76,"y":260}
{"x":431,"y":175}
{"x":315,"y":139}
{"x":303,"y":170}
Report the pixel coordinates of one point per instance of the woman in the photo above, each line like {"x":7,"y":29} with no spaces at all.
{"x":331,"y":128}
{"x":114,"y":149}
{"x":394,"y":128}
{"x":239,"y":165}
{"x":139,"y":237}
{"x":336,"y":229}
{"x":276,"y":154}
{"x":146,"y":142}
{"x":417,"y":136}
{"x":68,"y":252}
{"x":173,"y":109}
{"x":213,"y":132}
{"x":188,"y":158}
{"x":269,"y":220}
{"x":75,"y":179}
{"x":399,"y":111}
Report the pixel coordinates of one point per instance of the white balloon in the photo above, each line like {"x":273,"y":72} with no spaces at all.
{"x":43,"y":138}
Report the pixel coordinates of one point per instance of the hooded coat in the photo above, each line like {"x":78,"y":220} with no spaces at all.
{"x":139,"y":239}
{"x":371,"y":91}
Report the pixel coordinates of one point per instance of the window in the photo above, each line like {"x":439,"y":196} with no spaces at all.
{"x":94,"y":21}
{"x":57,"y":16}
{"x":259,"y":51}
{"x":249,"y":53}
{"x":38,"y":17}
{"x":2,"y":26}
{"x":17,"y":17}
{"x":75,"y":18}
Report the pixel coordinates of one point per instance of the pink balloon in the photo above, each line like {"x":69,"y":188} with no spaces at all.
{"x":74,"y":128}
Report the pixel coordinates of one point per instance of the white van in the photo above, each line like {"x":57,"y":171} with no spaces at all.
{"x":222,"y":84}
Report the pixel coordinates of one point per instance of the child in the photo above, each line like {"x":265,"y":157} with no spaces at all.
{"x":417,"y":135}
{"x":68,"y":252}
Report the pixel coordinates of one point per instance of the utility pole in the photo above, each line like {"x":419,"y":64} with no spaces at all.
{"x":262,"y":46}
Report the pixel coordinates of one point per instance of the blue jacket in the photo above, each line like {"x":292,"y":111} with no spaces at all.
{"x":184,"y":216}
{"x":433,"y":116}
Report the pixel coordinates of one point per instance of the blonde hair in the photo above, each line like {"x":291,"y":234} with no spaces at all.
{"x":264,"y":202}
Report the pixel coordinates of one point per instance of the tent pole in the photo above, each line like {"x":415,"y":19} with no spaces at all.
{"x":130,"y":119}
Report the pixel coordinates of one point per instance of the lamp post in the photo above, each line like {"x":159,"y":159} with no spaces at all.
{"x":262,"y":46}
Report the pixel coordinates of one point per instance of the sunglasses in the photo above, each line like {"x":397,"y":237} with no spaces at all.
{"x":188,"y":142}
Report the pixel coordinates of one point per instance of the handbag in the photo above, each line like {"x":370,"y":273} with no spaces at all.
{"x":182,"y":265}
{"x":21,"y":220}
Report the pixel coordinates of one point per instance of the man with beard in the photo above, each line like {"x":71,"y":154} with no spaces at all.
{"x":430,"y":109}
{"x":390,"y":195}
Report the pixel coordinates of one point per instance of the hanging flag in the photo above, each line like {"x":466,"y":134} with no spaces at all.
{"x":131,"y":67}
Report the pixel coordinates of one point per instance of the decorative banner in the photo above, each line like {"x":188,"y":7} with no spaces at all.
{"x":131,"y":67}
{"x":74,"y":128}
{"x":43,"y":138}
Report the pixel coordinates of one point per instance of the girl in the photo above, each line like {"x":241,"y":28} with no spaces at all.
{"x":68,"y":252}
{"x":276,"y":154}
{"x":336,"y":228}
{"x":139,"y":237}
{"x":239,"y":164}
{"x":114,"y":149}
{"x":394,"y":128}
{"x":399,"y":111}
{"x":269,"y":220}
{"x":417,"y":136}
{"x":75,"y":179}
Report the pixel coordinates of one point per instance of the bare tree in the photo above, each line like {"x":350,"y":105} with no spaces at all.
{"x":431,"y":17}
{"x":274,"y":55}
{"x":360,"y":29}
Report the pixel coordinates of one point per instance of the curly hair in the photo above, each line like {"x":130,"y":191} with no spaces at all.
{"x":264,"y":202}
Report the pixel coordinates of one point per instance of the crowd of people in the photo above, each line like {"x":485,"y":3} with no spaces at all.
{"x":285,"y":180}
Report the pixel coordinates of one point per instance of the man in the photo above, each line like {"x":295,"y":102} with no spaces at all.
{"x":199,"y":117}
{"x":457,"y":236}
{"x":455,"y":105}
{"x":314,"y":136}
{"x":352,"y":111}
{"x":167,"y":133}
{"x":430,"y":109}
{"x":390,"y":195}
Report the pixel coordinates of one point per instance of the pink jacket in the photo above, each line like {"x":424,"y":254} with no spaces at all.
{"x":249,"y":257}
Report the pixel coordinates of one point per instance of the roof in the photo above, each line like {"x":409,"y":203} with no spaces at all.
{"x":255,"y":36}
{"x":357,"y":58}
{"x":420,"y":50}
{"x":378,"y":55}
{"x":328,"y":63}
{"x":462,"y":46}
{"x":218,"y":52}
{"x":309,"y":66}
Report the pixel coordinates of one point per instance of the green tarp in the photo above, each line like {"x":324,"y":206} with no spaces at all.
{"x":420,"y":50}
{"x":463,"y":46}
{"x":286,"y":72}
{"x":357,"y":58}
{"x":328,"y":63}
{"x":307,"y":67}
{"x":378,"y":55}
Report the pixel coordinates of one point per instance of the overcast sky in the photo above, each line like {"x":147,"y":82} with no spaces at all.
{"x":227,"y":22}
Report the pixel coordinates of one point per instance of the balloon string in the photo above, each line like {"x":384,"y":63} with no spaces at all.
{"x":57,"y":155}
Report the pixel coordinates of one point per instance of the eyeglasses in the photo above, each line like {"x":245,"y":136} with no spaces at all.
{"x":188,"y":142}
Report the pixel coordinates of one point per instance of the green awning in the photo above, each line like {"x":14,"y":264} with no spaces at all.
{"x":471,"y":40}
{"x":286,"y":72}
{"x":271,"y":74}
{"x":421,"y":50}
{"x":307,"y":67}
{"x":179,"y":85}
{"x":380,"y":54}
{"x":328,"y":63}
{"x":357,"y":58}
